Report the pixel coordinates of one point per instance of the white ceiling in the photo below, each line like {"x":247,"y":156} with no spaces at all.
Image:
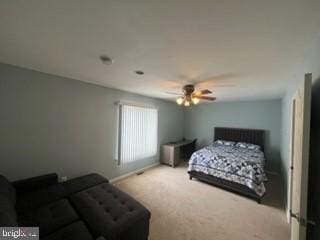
{"x":250,"y":46}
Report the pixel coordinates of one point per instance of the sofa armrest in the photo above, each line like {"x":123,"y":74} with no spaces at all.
{"x":35,"y":183}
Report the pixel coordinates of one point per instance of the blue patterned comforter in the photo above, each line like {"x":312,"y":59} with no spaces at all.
{"x":231,"y":163}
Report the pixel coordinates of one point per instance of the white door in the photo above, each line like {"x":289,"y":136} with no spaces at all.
{"x":302,"y":104}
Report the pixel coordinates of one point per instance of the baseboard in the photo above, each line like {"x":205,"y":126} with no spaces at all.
{"x":133,"y":172}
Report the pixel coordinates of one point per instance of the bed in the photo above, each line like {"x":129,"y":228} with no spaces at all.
{"x":232,"y":167}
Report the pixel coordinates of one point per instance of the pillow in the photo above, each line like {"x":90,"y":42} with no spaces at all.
{"x":226,"y":143}
{"x":249,"y":146}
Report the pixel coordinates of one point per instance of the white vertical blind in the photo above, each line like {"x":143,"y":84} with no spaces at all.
{"x":138,"y":133}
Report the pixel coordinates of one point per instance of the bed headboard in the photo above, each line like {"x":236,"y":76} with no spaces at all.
{"x":254,"y":136}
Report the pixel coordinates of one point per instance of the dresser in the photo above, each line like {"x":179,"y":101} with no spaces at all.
{"x":171,"y":152}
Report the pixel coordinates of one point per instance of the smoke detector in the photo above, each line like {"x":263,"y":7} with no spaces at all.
{"x":139,"y":72}
{"x":106,"y":60}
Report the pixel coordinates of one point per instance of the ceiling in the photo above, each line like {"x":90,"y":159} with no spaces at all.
{"x":240,"y":49}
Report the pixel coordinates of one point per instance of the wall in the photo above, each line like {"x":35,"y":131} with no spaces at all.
{"x":201,"y":120}
{"x":53,"y":124}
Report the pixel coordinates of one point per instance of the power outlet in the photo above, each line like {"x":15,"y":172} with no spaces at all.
{"x":64,"y":178}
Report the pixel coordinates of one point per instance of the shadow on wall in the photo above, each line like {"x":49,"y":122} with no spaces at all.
{"x":272,"y":153}
{"x":201,"y":143}
{"x":314,"y":168}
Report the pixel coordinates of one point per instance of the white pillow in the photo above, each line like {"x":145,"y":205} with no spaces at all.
{"x":248,"y":146}
{"x":226,"y":143}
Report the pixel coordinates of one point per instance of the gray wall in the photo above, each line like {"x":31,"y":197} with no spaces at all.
{"x":201,"y":120}
{"x":53,"y":124}
{"x":49,"y":123}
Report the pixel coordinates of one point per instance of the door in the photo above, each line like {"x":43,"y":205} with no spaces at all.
{"x":302,"y":103}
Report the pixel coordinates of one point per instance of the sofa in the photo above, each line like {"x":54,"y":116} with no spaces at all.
{"x":83,"y":208}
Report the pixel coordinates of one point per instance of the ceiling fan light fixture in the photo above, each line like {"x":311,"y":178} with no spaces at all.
{"x":179,"y":100}
{"x":195,"y":100}
{"x":192,"y":97}
{"x":186,"y":103}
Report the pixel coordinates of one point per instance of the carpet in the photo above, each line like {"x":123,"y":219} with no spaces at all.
{"x":193,"y":210}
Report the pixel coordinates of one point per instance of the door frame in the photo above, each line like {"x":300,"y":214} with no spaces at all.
{"x":299,"y":192}
{"x":290,"y":166}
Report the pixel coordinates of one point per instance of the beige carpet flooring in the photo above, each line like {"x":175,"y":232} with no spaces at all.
{"x":192,"y":210}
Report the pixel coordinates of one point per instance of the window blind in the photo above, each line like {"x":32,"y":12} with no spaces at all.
{"x":138,"y":133}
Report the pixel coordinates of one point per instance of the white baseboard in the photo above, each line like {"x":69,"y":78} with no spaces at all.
{"x":133,"y":172}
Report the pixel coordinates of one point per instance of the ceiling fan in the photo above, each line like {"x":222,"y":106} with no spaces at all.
{"x":190,"y":96}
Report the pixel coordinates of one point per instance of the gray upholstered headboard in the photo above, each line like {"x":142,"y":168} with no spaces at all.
{"x":254,"y":136}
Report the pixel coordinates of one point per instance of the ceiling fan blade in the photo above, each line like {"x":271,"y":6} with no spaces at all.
{"x":213,"y":85}
{"x":201,"y":92}
{"x":214,"y":81}
{"x":166,"y":84}
{"x":207,"y":98}
{"x":174,"y":93}
{"x":223,"y":85}
{"x":205,"y":91}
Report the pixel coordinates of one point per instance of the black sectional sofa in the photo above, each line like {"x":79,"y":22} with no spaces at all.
{"x":83,"y":208}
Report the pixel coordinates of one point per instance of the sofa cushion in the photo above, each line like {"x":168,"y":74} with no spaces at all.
{"x":56,"y":192}
{"x":39,"y":198}
{"x":80,"y":183}
{"x":50,"y":217}
{"x":111,"y":213}
{"x":73,"y":231}
{"x":8,"y":216}
{"x":7,"y":190}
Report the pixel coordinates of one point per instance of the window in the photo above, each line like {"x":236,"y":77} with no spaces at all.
{"x":138,"y":133}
